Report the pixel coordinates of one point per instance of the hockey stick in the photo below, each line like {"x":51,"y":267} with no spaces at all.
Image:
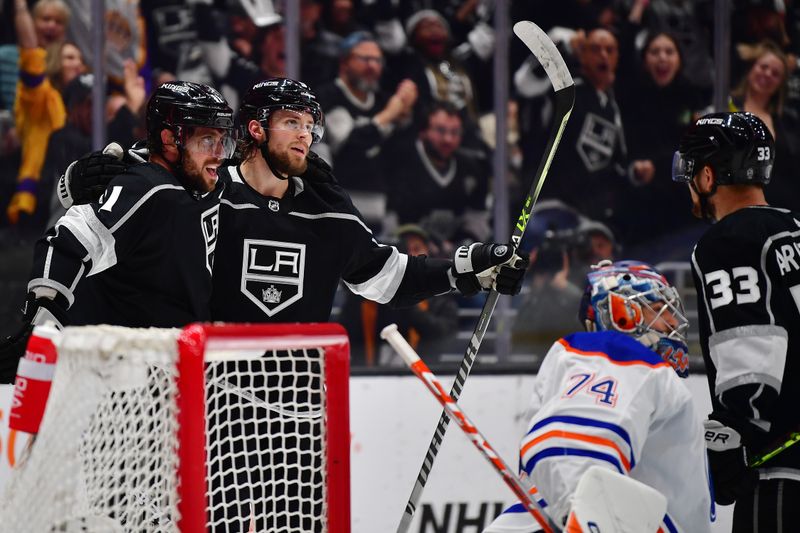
{"x":545,"y":51}
{"x":791,"y":439}
{"x":421,"y":370}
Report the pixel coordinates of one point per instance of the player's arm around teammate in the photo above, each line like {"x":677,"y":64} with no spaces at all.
{"x":145,"y":243}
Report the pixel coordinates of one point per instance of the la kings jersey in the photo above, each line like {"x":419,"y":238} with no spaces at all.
{"x":142,"y":256}
{"x":747,"y":273}
{"x":604,"y":399}
{"x":281,"y":259}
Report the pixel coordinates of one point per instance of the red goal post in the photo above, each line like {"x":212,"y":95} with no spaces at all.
{"x":200,"y":429}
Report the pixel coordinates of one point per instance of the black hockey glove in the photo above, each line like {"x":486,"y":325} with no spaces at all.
{"x":478,"y":266}
{"x":12,"y":349}
{"x":727,"y":458}
{"x":511,"y":276}
{"x":86,"y":179}
{"x":318,"y":170}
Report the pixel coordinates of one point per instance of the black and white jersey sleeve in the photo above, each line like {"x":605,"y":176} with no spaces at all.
{"x":747,"y":272}
{"x":383,"y":274}
{"x":141,"y":256}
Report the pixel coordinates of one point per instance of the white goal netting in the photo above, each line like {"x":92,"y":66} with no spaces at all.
{"x":109,"y":449}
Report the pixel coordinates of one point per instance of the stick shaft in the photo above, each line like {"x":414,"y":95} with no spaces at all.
{"x":454,"y":412}
{"x":565,"y":98}
{"x":791,"y":440}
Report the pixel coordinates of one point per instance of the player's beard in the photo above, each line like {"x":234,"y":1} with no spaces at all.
{"x":698,"y":211}
{"x":195,"y":175}
{"x":282,"y":162}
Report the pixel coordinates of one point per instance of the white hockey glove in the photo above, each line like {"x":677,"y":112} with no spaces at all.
{"x":485,"y":267}
{"x":85,"y":179}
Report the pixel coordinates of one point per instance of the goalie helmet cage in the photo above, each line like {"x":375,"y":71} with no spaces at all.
{"x":134,"y":414}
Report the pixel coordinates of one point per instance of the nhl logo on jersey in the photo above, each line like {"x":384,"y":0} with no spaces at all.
{"x":274,"y":205}
{"x":272,"y":274}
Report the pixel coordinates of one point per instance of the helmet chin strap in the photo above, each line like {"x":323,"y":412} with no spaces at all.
{"x":705,"y":208}
{"x":264,"y":149}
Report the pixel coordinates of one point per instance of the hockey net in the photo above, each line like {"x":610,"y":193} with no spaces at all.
{"x":211,"y":428}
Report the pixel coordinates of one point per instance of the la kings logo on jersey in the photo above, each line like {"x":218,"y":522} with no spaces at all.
{"x":272,"y":274}
{"x":596,"y":142}
{"x":210,"y":223}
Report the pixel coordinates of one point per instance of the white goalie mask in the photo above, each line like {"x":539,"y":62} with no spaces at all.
{"x":634,"y":298}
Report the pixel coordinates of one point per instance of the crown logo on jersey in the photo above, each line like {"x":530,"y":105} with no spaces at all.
{"x":270,"y":295}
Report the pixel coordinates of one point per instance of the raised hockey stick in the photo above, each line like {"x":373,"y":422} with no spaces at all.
{"x":547,"y":54}
{"x":421,"y":370}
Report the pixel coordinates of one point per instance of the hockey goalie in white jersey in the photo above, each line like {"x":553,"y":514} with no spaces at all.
{"x":610,"y":397}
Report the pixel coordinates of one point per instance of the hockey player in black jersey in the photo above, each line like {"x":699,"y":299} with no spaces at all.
{"x":287,"y":241}
{"x":143,"y":254}
{"x":289,"y":233}
{"x":287,"y":236}
{"x":747,"y":273}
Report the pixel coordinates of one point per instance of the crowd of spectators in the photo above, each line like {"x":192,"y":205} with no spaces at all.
{"x":406,"y":87}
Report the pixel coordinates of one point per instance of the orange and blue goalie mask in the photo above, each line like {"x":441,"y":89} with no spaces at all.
{"x":635,"y":299}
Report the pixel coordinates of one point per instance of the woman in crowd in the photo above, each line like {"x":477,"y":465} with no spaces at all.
{"x":761,"y":91}
{"x":657,"y":103}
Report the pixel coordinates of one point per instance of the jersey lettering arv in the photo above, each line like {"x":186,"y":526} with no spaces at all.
{"x":764,"y":283}
{"x":747,"y":270}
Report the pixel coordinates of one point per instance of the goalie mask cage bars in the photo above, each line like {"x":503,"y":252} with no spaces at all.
{"x":212,"y":428}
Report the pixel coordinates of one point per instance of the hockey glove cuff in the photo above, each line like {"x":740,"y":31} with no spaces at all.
{"x":12,"y":349}
{"x":727,"y":458}
{"x":86,"y":179}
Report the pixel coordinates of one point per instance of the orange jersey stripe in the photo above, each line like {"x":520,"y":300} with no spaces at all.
{"x":577,"y":436}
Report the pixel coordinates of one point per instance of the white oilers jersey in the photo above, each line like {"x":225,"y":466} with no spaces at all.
{"x":281,"y":259}
{"x":604,"y":399}
{"x":747,"y":273}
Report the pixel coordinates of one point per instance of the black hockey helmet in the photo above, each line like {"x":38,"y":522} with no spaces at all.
{"x":739,"y":147}
{"x":184,"y":103}
{"x":280,"y":93}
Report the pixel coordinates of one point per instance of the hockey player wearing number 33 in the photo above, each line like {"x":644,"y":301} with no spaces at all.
{"x":610,"y":397}
{"x":746,"y":270}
